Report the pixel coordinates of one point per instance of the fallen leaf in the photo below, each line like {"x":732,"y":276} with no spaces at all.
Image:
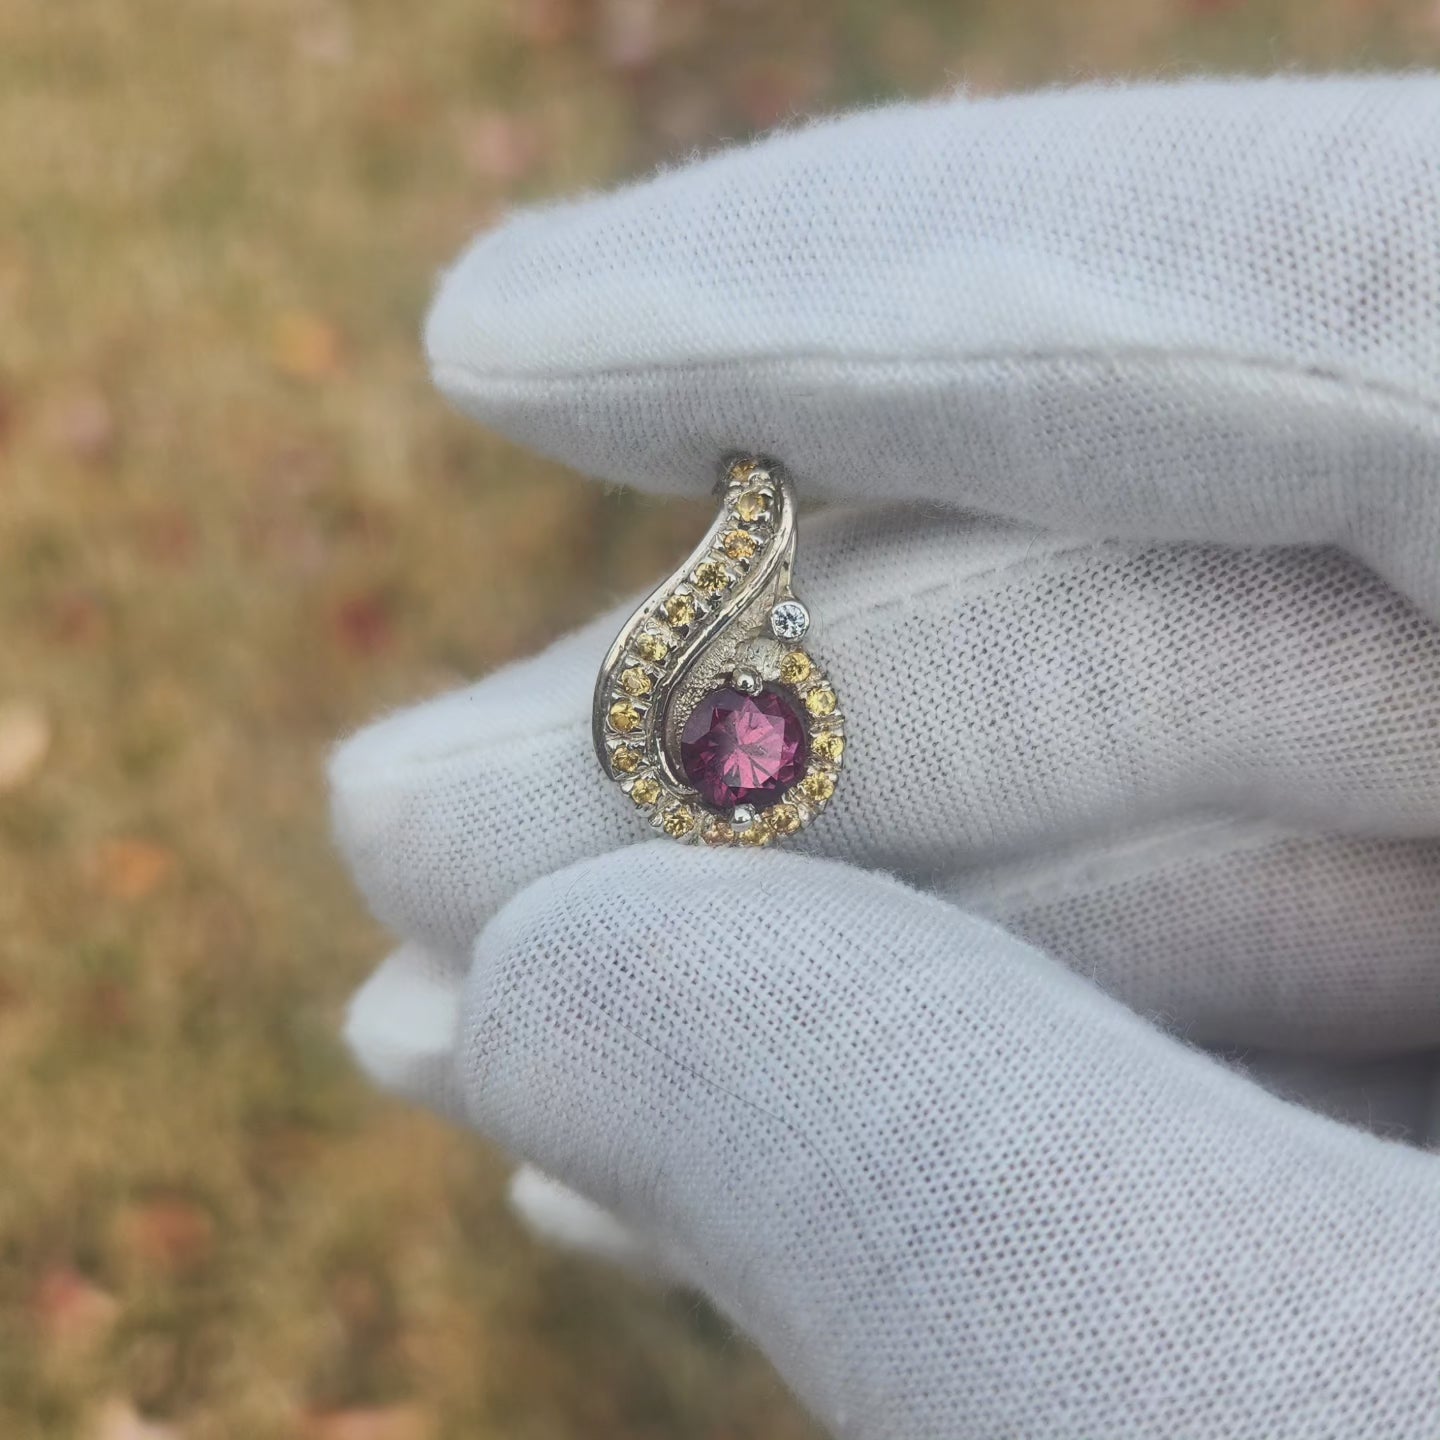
{"x":326,"y":38}
{"x":72,"y":1314}
{"x":169,"y":1234}
{"x":499,"y":146}
{"x":82,"y":423}
{"x":305,"y":346}
{"x":117,"y":1419}
{"x":629,"y":33}
{"x":77,"y":618}
{"x":545,"y":23}
{"x":363,"y":624}
{"x":386,"y":1422}
{"x":24,"y":741}
{"x":104,"y":1005}
{"x":166,"y":535}
{"x":131,"y":869}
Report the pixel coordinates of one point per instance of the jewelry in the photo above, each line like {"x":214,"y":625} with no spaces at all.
{"x":708,"y":714}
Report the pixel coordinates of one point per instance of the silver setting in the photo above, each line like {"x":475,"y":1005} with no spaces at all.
{"x":743,"y":634}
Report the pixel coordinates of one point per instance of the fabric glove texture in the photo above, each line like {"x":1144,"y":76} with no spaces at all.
{"x":1129,"y":401}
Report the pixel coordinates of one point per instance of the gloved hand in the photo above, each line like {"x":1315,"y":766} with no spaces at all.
{"x":949,"y":1150}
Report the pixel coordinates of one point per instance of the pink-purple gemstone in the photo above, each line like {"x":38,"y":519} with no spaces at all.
{"x":739,"y":749}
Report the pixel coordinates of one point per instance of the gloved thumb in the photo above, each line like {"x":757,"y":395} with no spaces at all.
{"x":948,"y":1186}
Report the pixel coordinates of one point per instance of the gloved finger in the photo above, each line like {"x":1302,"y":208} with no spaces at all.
{"x":1207,"y":310}
{"x":946,"y":1184}
{"x":401,"y":1028}
{"x":1239,"y":933}
{"x":556,"y":1214}
{"x":1005,"y":692}
{"x":1332,"y":946}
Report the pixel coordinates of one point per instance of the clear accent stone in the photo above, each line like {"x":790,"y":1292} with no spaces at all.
{"x":789,"y":620}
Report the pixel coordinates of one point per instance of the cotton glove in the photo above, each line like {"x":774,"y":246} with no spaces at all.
{"x":933,"y":1150}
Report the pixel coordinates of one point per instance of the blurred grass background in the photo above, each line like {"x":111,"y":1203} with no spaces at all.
{"x":234,"y":523}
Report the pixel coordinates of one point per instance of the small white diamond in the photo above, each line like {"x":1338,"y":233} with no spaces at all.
{"x":789,"y":620}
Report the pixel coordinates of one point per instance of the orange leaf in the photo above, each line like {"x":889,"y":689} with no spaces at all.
{"x":81,"y":422}
{"x":169,"y":1234}
{"x":73,"y":1314}
{"x":131,"y":869}
{"x":304,"y":346}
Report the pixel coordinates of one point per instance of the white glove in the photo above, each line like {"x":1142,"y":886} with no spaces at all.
{"x":952,"y":1187}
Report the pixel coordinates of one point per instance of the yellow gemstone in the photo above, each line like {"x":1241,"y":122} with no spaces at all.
{"x":821,"y":701}
{"x":717,"y":832}
{"x":738,"y":544}
{"x":783,"y":819}
{"x":742,"y":469}
{"x":751,"y":505}
{"x":757,"y":833}
{"x":680,"y":610}
{"x":635,"y":681}
{"x":711,"y":577}
{"x":679,"y":821}
{"x":818,"y":787}
{"x":652,"y":649}
{"x":624,"y":717}
{"x":645,"y":791}
{"x":795,"y":668}
{"x":828,"y":747}
{"x":626,"y":759}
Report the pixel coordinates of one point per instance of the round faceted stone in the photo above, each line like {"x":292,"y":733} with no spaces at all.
{"x":680,"y":610}
{"x":679,"y":821}
{"x":634,"y":681}
{"x":818,"y":787}
{"x":789,"y":620}
{"x":738,"y":544}
{"x":711,"y":577}
{"x":717,"y":832}
{"x":752,"y":505}
{"x":624,"y":717}
{"x":651,"y":648}
{"x":795,"y":668}
{"x":783,"y":819}
{"x":645,"y":791}
{"x":626,"y":759}
{"x":820,"y":701}
{"x":739,"y":749}
{"x":828,"y":746}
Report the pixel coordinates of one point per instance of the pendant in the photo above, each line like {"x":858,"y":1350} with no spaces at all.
{"x":710,"y":714}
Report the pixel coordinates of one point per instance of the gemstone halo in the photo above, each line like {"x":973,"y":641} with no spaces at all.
{"x":708,"y":714}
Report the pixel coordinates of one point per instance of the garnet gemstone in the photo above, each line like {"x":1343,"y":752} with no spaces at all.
{"x":741,"y":749}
